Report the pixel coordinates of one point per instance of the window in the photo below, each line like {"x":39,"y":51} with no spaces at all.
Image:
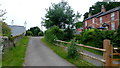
{"x":100,"y":19}
{"x":93,"y":20}
{"x":92,"y":26}
{"x":112,"y":16}
{"x":113,"y":26}
{"x":86,"y":23}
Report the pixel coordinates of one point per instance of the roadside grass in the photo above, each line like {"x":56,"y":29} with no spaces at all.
{"x":15,"y":56}
{"x":62,"y":53}
{"x":87,"y":49}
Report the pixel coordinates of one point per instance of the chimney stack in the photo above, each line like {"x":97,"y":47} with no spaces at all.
{"x":89,"y":15}
{"x":103,"y":9}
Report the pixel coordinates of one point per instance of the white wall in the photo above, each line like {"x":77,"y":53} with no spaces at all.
{"x":17,"y":30}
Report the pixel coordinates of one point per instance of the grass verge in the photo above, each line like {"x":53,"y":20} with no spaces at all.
{"x":62,"y":53}
{"x":15,"y":56}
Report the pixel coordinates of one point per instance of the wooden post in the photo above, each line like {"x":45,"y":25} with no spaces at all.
{"x":107,"y":55}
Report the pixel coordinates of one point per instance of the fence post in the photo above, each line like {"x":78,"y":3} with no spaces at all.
{"x":107,"y":55}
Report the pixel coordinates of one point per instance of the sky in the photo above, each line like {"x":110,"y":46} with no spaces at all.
{"x":31,"y":11}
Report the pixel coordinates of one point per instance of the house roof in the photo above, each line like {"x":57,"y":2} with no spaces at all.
{"x":15,"y":26}
{"x":103,"y":13}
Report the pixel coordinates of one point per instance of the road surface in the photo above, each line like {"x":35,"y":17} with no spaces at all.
{"x":38,"y":54}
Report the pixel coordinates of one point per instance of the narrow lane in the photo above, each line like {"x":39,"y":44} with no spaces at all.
{"x":38,"y":54}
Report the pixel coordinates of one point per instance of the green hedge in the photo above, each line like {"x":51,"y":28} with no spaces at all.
{"x":95,"y":37}
{"x":54,"y":33}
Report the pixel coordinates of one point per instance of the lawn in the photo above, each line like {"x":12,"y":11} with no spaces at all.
{"x":62,"y":53}
{"x":15,"y":56}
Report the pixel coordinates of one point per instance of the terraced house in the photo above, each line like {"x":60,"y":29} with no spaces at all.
{"x":104,"y":19}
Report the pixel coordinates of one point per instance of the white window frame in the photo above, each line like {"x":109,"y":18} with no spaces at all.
{"x":113,"y":26}
{"x":93,"y":20}
{"x":100,"y":19}
{"x":86,"y":23}
{"x":93,"y":26}
{"x":112,"y":16}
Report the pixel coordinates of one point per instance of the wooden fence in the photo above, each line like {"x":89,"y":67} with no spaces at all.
{"x":107,"y":52}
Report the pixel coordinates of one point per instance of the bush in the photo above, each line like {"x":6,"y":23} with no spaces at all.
{"x":40,"y":34}
{"x":95,"y":37}
{"x":29,"y":33}
{"x":73,"y":50}
{"x":68,"y":34}
{"x":54,"y":33}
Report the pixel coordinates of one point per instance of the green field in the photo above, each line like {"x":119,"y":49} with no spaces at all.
{"x":15,"y":56}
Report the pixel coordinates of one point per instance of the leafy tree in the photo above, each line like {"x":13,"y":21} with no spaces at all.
{"x":40,"y":34}
{"x":6,"y":31}
{"x":94,"y":9}
{"x":29,"y":33}
{"x":61,"y":15}
{"x":54,"y":33}
{"x":33,"y":31}
{"x":78,"y":24}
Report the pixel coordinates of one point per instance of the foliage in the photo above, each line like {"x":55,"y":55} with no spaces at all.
{"x":94,"y":9}
{"x":15,"y":56}
{"x":78,"y":24}
{"x":29,"y":33}
{"x":68,"y":34}
{"x":54,"y":33}
{"x":116,"y":41}
{"x":62,"y":53}
{"x":34,"y":30}
{"x":73,"y":50}
{"x":95,"y":37}
{"x":40,"y":34}
{"x":6,"y":31}
{"x":61,"y":15}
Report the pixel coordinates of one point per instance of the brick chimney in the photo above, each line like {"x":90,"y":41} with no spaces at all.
{"x":103,"y":9}
{"x":89,"y":15}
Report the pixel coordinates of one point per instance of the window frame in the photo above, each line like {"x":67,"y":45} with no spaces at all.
{"x":100,"y":20}
{"x":113,"y":26}
{"x":112,"y":16}
{"x":93,"y":20}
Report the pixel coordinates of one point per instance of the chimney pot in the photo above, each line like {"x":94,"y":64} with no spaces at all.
{"x":103,"y":9}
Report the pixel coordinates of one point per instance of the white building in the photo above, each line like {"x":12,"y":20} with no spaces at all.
{"x":17,"y":30}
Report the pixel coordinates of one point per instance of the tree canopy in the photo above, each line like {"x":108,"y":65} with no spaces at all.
{"x":4,"y":29}
{"x":96,"y":8}
{"x":34,"y":31}
{"x":61,"y":15}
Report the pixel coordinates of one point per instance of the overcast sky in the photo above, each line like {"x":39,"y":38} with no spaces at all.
{"x":31,"y":11}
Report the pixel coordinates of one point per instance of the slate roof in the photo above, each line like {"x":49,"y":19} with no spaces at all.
{"x":103,"y":13}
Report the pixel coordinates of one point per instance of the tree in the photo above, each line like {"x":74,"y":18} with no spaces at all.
{"x":78,"y":24}
{"x":33,"y":31}
{"x":6,"y":31}
{"x":61,"y":15}
{"x":94,"y":9}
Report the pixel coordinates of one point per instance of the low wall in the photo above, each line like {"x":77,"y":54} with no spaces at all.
{"x":6,"y":43}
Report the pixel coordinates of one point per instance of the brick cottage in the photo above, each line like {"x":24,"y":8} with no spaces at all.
{"x":104,"y":19}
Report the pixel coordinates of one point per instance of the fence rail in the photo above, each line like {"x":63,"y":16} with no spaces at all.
{"x":107,"y":52}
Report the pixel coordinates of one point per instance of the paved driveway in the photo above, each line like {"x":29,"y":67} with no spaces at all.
{"x":38,"y":54}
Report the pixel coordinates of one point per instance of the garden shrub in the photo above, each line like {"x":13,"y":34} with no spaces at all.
{"x":54,"y":33}
{"x":40,"y":34}
{"x":95,"y":37}
{"x":73,"y":50}
{"x":68,"y":34}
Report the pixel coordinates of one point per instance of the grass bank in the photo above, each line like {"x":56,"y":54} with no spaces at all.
{"x":62,"y":53}
{"x":15,"y":56}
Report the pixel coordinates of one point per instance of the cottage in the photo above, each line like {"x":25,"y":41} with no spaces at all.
{"x":17,"y":30}
{"x":104,"y":19}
